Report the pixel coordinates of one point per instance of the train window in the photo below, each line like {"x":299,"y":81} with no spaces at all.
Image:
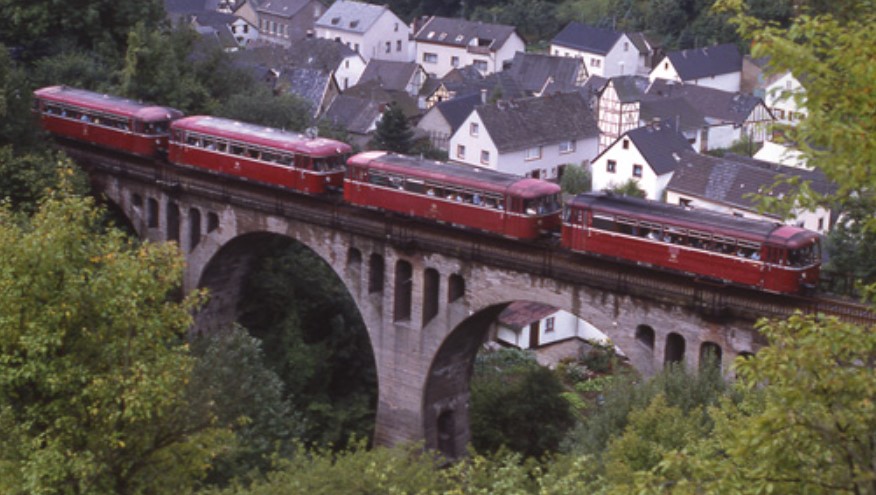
{"x":236,"y":149}
{"x":285,"y":160}
{"x":221,"y":146}
{"x":269,"y":157}
{"x":209,"y":144}
{"x":378,"y":179}
{"x":193,"y":141}
{"x":415,"y":186}
{"x":603,"y":222}
{"x":178,"y":136}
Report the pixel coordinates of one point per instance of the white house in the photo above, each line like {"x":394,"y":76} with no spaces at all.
{"x":533,"y":137}
{"x":443,"y":44}
{"x":617,"y":107}
{"x":785,"y":97}
{"x":647,"y":155}
{"x":606,"y":52}
{"x":244,"y":32}
{"x":283,"y":21}
{"x":718,"y":67}
{"x":727,"y":184}
{"x":530,"y":325}
{"x":781,"y":154}
{"x":444,"y":118}
{"x":372,"y":30}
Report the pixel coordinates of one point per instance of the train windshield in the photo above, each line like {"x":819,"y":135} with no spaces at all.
{"x":542,"y":206}
{"x":329,"y":163}
{"x":806,"y":256}
{"x":156,"y":128}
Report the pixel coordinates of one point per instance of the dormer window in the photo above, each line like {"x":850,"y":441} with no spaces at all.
{"x":459,"y":38}
{"x":353,"y":24}
{"x":430,"y":35}
{"x":335,"y":21}
{"x":442,"y":36}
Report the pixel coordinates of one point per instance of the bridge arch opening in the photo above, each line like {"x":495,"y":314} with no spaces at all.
{"x":431,"y":293}
{"x":645,"y":336}
{"x":313,"y":336}
{"x":194,"y":228}
{"x":376,"y":267}
{"x":403,"y":290}
{"x":674,"y":352}
{"x":172,"y":219}
{"x":152,"y":213}
{"x":711,"y":354}
{"x":455,"y":287}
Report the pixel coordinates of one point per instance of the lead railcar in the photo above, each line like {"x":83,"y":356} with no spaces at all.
{"x":459,"y":194}
{"x":104,"y":120}
{"x":262,"y":154}
{"x":711,"y":245}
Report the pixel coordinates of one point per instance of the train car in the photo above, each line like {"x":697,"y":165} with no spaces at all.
{"x":258,"y":153}
{"x":711,"y":245}
{"x":104,"y":120}
{"x":460,"y":194}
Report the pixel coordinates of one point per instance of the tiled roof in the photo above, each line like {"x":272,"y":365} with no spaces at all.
{"x":456,"y":110}
{"x":189,"y":6}
{"x":715,"y":104}
{"x":460,"y":32}
{"x":677,"y":112}
{"x":520,"y":314}
{"x":707,"y":61}
{"x":587,"y":38}
{"x":390,"y":74}
{"x":525,"y":123}
{"x":283,"y":8}
{"x":353,"y":113}
{"x":314,"y":53}
{"x":372,"y":90}
{"x":308,"y":84}
{"x":660,"y":145}
{"x":630,"y":88}
{"x":214,"y":19}
{"x":533,"y":70}
{"x":731,"y":179}
{"x":346,"y":15}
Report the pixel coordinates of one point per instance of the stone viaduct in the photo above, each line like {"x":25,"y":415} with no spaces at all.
{"x":427,"y":293}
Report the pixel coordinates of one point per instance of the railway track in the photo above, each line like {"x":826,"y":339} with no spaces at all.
{"x":405,"y":233}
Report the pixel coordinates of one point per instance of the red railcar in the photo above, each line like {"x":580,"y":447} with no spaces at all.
{"x":769,"y":256}
{"x":459,"y":194}
{"x":257,"y":153}
{"x":104,"y":120}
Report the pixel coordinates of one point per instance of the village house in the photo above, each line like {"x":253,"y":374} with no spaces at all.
{"x":785,"y":97}
{"x":605,"y":52}
{"x":372,"y":30}
{"x":646,"y":155}
{"x":395,"y":76}
{"x":617,"y":107}
{"x":444,"y":118}
{"x":718,"y":67}
{"x":730,"y":183}
{"x":282,"y":22}
{"x":219,"y":27}
{"x":539,"y":74}
{"x":468,"y":80}
{"x":443,"y":44}
{"x":534,"y":137}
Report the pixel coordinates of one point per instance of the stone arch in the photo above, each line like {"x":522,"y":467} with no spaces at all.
{"x":674,"y":350}
{"x":711,"y":354}
{"x":645,"y":335}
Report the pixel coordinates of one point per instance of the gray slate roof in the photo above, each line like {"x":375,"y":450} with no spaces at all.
{"x":533,"y":70}
{"x":177,"y":7}
{"x":456,"y":110}
{"x":390,"y":74}
{"x":677,"y":112}
{"x":353,"y":113}
{"x":351,"y":16}
{"x":308,"y":84}
{"x":214,"y":19}
{"x":659,"y":145}
{"x":520,"y":314}
{"x":283,"y":8}
{"x":707,"y":61}
{"x":372,"y":90}
{"x":716,"y":105}
{"x":729,"y":179}
{"x":519,"y":124}
{"x":630,"y":88}
{"x":461,"y":32}
{"x":587,"y":38}
{"x":314,"y":53}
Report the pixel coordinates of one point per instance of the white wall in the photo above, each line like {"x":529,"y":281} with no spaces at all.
{"x":780,"y":98}
{"x":566,"y":326}
{"x":372,"y":44}
{"x":444,"y":54}
{"x":727,"y":82}
{"x":515,"y":162}
{"x":625,"y":160}
{"x":349,"y":71}
{"x":621,"y":60}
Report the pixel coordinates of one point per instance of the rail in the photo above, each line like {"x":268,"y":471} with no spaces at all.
{"x":407,"y":234}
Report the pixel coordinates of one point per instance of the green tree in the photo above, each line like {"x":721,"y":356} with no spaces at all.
{"x":518,"y":404}
{"x":93,"y":368}
{"x":16,"y":124}
{"x":393,"y":131}
{"x":806,"y":425}
{"x":26,"y":178}
{"x":576,"y":179}
{"x":628,"y":188}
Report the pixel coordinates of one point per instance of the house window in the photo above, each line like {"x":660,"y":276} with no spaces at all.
{"x":611,"y":166}
{"x":473,"y":128}
{"x":665,"y":65}
{"x":396,"y":27}
{"x":356,"y":47}
{"x":549,"y":325}
{"x":430,"y":58}
{"x":346,"y":64}
{"x":454,"y":61}
{"x":567,"y":146}
{"x":460,"y":152}
{"x":388,"y":47}
{"x":821,"y":223}
{"x":684,"y":202}
{"x":626,"y":144}
{"x":637,"y":170}
{"x":485,"y":157}
{"x":626,"y":46}
{"x":595,"y":62}
{"x":398,"y":45}
{"x":480,"y":65}
{"x":532,"y":153}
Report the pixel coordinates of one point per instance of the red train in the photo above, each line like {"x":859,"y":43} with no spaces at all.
{"x":769,"y":256}
{"x":461,"y":194}
{"x":104,"y":120}
{"x":262,"y":154}
{"x":704,"y":244}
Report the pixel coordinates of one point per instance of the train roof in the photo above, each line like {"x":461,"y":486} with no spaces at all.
{"x":697,"y":219}
{"x":262,"y":135}
{"x":115,"y":105}
{"x":460,"y":174}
